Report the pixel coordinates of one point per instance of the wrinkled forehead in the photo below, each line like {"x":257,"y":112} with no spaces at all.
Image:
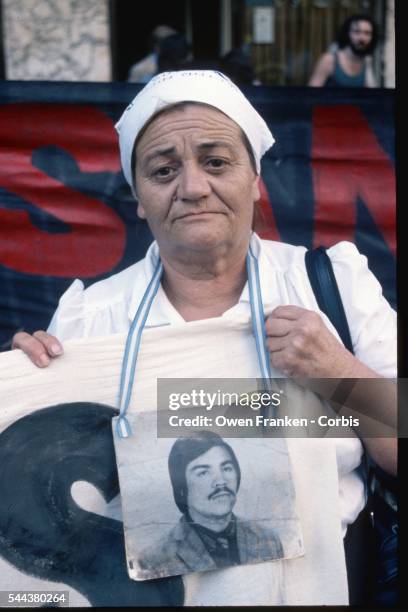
{"x":202,"y":110}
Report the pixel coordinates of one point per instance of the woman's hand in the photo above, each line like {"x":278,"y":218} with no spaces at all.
{"x":300,"y":344}
{"x":40,"y":347}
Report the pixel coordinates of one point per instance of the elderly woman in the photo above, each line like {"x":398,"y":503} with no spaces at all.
{"x":191,"y":146}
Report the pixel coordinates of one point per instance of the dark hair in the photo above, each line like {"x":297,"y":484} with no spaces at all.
{"x":238,"y":67}
{"x":343,"y":37}
{"x":159,"y":33}
{"x":185,"y":450}
{"x":173,"y":53}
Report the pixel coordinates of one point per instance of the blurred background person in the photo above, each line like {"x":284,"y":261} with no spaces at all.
{"x":238,"y":66}
{"x":349,"y":63}
{"x":143,"y":70}
{"x":174,"y":53}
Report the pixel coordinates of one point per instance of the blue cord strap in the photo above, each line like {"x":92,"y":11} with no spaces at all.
{"x":258,"y":318}
{"x":132,"y":349}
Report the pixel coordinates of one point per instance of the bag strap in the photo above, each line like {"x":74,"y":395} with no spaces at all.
{"x":323,"y":282}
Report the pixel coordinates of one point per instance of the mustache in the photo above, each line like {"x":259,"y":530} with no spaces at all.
{"x":224,"y":489}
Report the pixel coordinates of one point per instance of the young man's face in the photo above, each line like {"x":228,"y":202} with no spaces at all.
{"x":360,"y":35}
{"x":212,"y":483}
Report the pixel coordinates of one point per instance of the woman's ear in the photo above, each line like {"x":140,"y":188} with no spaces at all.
{"x":141,"y":211}
{"x":256,"y":193}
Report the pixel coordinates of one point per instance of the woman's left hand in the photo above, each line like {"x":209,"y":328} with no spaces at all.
{"x":300,"y":344}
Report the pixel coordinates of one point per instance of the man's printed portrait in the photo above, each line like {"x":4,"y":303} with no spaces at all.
{"x":199,"y":503}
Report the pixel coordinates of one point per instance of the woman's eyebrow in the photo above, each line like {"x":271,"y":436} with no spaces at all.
{"x":158,"y":153}
{"x":212,"y":144}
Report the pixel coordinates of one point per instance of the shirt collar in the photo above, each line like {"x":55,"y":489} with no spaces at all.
{"x":228,"y":533}
{"x":162,"y":312}
{"x":265,"y":273}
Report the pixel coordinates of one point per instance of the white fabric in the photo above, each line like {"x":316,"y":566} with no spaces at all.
{"x":109,"y":306}
{"x":89,"y":370}
{"x":205,"y":86}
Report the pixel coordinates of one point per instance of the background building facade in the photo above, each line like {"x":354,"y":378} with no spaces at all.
{"x":98,"y":40}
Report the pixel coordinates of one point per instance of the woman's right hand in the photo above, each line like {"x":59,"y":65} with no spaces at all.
{"x":40,"y":347}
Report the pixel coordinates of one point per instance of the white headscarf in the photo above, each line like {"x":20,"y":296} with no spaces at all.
{"x":205,"y":86}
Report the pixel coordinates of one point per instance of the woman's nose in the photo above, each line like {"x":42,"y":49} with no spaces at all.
{"x":193,"y":184}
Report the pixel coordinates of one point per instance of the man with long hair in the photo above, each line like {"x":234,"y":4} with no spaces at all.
{"x":350,"y":63}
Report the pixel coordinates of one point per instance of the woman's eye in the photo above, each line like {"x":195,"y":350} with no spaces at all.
{"x":163,"y":172}
{"x":216,"y":162}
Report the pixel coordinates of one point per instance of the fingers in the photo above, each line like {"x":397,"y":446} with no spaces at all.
{"x":289,"y":312}
{"x":40,"y":347}
{"x":284,"y":362}
{"x":277,"y":327}
{"x":292,"y":339}
{"x":300,"y":344}
{"x":276,"y":344}
{"x":51,"y":343}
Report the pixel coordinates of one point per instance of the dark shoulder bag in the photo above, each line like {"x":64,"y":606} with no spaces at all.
{"x":371,"y":541}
